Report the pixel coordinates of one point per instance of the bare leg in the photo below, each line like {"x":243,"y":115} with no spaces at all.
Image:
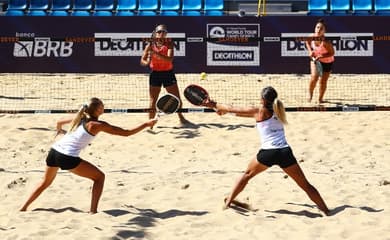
{"x":313,"y":80}
{"x":85,"y":169}
{"x":153,"y":94}
{"x":174,"y":89}
{"x":50,"y":174}
{"x":296,"y":173}
{"x":253,"y":169}
{"x":323,"y":84}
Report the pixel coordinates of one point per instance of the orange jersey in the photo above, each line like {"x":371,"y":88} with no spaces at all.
{"x":158,"y":64}
{"x":321,"y":50}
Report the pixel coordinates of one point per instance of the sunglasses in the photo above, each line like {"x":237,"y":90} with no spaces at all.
{"x":161,"y":31}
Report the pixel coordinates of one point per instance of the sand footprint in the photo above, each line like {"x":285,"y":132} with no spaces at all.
{"x":17,"y":182}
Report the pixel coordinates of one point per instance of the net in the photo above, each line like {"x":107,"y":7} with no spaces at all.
{"x":66,"y":92}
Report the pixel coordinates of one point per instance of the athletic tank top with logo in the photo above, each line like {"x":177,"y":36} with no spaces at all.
{"x":321,"y":50}
{"x":158,"y":64}
{"x":271,"y":133}
{"x":73,"y":142}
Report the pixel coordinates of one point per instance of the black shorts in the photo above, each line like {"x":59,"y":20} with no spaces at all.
{"x":283,"y":157}
{"x":162,"y":78}
{"x":326,"y":67}
{"x":65,"y":162}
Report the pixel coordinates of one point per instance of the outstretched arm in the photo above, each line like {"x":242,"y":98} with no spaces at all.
{"x":222,"y":109}
{"x":239,"y":111}
{"x":100,"y":126}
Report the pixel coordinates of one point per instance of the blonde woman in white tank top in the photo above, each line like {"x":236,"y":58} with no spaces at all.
{"x":270,"y":118}
{"x":64,"y":154}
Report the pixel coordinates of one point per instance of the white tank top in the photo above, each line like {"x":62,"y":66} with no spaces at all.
{"x":271,"y":133}
{"x":73,"y":142}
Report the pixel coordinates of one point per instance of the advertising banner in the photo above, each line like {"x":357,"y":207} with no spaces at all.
{"x":225,"y":44}
{"x":231,"y":45}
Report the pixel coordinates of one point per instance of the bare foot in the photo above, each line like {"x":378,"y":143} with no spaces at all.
{"x":328,"y":212}
{"x":225,"y":206}
{"x":237,"y":203}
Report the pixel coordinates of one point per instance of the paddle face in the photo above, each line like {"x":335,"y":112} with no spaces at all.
{"x":196,"y":94}
{"x":318,"y":66}
{"x":168,"y":104}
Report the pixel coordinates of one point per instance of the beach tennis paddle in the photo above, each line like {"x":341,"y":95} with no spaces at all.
{"x":199,"y":96}
{"x":318,"y":66}
{"x":196,"y":95}
{"x":167,"y":104}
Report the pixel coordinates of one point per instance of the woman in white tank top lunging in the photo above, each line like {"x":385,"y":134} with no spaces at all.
{"x":64,"y":153}
{"x":270,"y":117}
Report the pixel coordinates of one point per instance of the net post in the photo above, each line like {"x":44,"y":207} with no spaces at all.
{"x":261,"y":4}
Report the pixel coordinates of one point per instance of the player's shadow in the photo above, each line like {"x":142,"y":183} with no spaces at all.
{"x":116,"y":212}
{"x":342,"y":101}
{"x":241,"y":210}
{"x":193,"y":132}
{"x":339,"y":209}
{"x":229,"y":127}
{"x":58,"y":210}
{"x":144,"y":219}
{"x":348,"y":102}
{"x":17,"y":98}
{"x":297,"y":213}
{"x":35,"y":128}
{"x":310,"y":214}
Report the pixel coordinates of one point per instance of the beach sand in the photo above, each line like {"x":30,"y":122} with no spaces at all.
{"x":170,"y":184}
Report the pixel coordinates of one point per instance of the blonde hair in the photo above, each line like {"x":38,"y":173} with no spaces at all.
{"x":273,"y":104}
{"x":279,"y":110}
{"x":85,"y":111}
{"x":80,"y":115}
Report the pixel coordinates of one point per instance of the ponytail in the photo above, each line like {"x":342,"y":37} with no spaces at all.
{"x":279,"y":110}
{"x":273,"y":104}
{"x":81,"y":114}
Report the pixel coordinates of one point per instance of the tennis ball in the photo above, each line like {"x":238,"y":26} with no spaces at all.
{"x":203,"y":76}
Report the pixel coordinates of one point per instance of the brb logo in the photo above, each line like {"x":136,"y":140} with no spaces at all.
{"x":43,"y":47}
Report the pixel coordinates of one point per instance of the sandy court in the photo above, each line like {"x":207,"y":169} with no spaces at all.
{"x":170,"y":184}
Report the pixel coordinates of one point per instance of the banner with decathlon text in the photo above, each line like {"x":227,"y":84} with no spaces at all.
{"x":226,"y":44}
